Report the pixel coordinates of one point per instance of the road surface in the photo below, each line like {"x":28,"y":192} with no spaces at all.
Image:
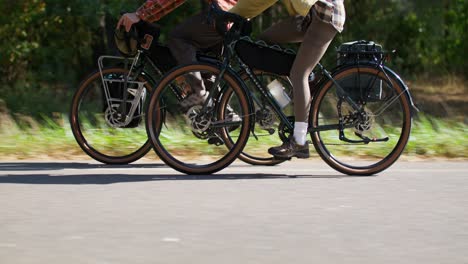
{"x":298,"y":212}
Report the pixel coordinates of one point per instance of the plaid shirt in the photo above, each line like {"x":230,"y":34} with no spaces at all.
{"x":154,"y":10}
{"x":331,"y":11}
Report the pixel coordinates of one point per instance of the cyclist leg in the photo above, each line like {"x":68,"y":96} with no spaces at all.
{"x":317,"y":38}
{"x":288,"y":30}
{"x":316,"y":41}
{"x":193,"y":34}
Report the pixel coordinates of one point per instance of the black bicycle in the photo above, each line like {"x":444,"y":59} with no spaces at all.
{"x":108,"y":110}
{"x":360,"y":117}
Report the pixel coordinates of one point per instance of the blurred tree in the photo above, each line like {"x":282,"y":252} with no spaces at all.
{"x":54,"y":43}
{"x":58,"y":41}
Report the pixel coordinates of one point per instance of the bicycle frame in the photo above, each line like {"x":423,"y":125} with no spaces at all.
{"x":326,"y":76}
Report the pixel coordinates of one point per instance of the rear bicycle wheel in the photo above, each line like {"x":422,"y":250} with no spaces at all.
{"x":97,"y":125}
{"x":373,"y":139}
{"x":268,"y":128}
{"x":192,"y":140}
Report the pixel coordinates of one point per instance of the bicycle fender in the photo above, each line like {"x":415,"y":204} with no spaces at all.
{"x":415,"y":110}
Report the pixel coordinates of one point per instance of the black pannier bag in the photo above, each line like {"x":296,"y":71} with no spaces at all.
{"x":361,"y":51}
{"x":259,"y":56}
{"x":361,"y":87}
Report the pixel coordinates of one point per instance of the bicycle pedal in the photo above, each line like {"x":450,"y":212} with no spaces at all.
{"x":271,"y":131}
{"x":215,"y":141}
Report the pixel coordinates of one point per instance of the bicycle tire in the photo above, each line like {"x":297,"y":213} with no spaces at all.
{"x":165,"y":125}
{"x":395,"y":127}
{"x":113,"y":156}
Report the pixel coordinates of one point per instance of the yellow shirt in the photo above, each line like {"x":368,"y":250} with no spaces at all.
{"x":253,"y":8}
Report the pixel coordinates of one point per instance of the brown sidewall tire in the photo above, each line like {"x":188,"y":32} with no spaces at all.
{"x":387,"y":161}
{"x":82,"y":142}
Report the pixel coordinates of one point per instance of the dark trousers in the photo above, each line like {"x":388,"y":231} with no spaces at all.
{"x":193,"y":34}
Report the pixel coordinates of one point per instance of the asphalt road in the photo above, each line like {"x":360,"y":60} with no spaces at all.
{"x":298,"y":212}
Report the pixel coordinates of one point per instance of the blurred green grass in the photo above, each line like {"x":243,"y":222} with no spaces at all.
{"x":24,"y":138}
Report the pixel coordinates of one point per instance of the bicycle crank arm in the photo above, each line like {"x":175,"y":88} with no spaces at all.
{"x":365,"y":140}
{"x":222,"y":123}
{"x":371,"y":139}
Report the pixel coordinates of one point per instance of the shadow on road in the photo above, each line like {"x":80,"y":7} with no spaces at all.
{"x":41,"y":166}
{"x":122,"y":178}
{"x":93,"y":177}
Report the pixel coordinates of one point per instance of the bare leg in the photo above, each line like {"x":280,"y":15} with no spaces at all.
{"x":316,"y":41}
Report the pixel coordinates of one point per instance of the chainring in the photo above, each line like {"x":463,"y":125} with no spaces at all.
{"x":265,"y":117}
{"x":200,"y":126}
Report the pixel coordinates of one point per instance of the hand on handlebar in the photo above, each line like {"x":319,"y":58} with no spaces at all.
{"x":225,"y":16}
{"x":226,"y":21}
{"x":127,"y":20}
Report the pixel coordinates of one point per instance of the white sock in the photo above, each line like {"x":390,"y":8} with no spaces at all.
{"x":300,"y":132}
{"x":202,"y":93}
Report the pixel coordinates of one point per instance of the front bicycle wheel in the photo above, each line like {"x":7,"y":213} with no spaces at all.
{"x":269,"y":130}
{"x":192,"y":140}
{"x":98,"y":121}
{"x":370,"y":139}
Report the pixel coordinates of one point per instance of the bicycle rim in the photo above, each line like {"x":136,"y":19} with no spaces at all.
{"x":190,"y":139}
{"x":379,"y":135}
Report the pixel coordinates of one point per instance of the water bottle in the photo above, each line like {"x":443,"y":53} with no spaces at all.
{"x":278,"y":92}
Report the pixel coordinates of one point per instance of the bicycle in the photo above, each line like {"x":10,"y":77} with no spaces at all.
{"x":108,"y":108}
{"x":360,"y":116}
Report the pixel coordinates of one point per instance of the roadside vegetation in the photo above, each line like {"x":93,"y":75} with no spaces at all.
{"x":25,"y":138}
{"x":48,"y":46}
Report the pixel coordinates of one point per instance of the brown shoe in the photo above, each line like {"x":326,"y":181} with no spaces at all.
{"x":290,"y":149}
